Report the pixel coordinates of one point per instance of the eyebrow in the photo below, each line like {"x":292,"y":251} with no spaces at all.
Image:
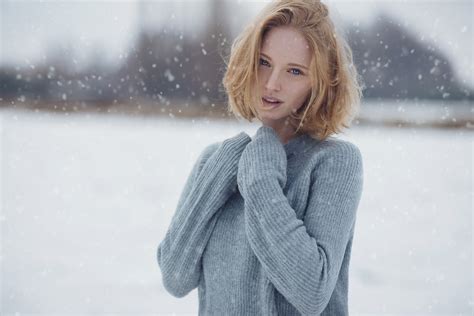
{"x":290,"y":64}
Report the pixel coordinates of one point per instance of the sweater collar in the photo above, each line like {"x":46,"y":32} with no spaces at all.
{"x":296,"y":144}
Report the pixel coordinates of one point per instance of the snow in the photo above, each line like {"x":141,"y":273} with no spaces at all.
{"x":86,"y":200}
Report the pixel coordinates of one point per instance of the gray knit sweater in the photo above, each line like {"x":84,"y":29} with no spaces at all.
{"x":265,"y":228}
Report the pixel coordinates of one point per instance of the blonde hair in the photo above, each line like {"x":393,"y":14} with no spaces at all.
{"x":335,"y":91}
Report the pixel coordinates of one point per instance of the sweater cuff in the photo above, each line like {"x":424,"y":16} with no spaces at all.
{"x":266,"y":132}
{"x":267,"y":149}
{"x":268,"y":145}
{"x":263,"y":157}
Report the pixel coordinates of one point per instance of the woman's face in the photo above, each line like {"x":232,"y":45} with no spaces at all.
{"x":283,"y":74}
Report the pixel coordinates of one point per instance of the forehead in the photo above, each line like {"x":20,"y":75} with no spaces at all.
{"x":286,"y":44}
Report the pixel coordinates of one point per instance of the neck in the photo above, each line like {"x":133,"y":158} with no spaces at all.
{"x":285,"y":132}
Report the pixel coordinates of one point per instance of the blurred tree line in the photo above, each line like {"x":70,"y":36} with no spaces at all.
{"x":171,"y":64}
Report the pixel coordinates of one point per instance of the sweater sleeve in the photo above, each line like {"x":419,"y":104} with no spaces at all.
{"x":302,"y":259}
{"x":210,"y":183}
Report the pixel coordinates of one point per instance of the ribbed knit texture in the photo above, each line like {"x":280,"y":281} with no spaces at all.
{"x":263,"y":228}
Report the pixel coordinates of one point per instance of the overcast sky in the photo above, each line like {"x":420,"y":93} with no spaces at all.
{"x":31,"y":29}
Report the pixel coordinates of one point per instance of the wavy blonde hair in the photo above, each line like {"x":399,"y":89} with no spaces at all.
{"x":335,"y":91}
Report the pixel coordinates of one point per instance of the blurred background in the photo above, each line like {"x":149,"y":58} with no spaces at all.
{"x":105,"y":105}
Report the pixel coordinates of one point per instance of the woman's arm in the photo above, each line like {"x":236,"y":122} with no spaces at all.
{"x":302,"y":259}
{"x":209,"y":185}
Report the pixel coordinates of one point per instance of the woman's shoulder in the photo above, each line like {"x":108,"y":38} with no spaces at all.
{"x":335,"y":151}
{"x":335,"y":158}
{"x":344,"y":146}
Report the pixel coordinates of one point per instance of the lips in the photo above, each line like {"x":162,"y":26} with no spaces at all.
{"x":271,"y":102}
{"x":271,"y":99}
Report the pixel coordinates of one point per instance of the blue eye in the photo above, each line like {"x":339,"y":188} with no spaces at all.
{"x":298,"y":71}
{"x":264,"y":62}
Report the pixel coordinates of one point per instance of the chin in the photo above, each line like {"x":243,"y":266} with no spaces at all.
{"x":273,"y":119}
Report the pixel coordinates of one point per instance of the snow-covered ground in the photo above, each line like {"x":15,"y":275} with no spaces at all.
{"x":86,"y":199}
{"x":419,"y":112}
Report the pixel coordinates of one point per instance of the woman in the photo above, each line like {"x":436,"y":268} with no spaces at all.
{"x":264,"y":225}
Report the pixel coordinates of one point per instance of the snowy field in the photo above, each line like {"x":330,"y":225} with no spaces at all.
{"x":86,"y":199}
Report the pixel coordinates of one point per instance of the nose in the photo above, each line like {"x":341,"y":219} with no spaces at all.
{"x":273,"y":82}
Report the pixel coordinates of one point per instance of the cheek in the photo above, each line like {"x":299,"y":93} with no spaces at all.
{"x":300,"y":95}
{"x":263,"y":74}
